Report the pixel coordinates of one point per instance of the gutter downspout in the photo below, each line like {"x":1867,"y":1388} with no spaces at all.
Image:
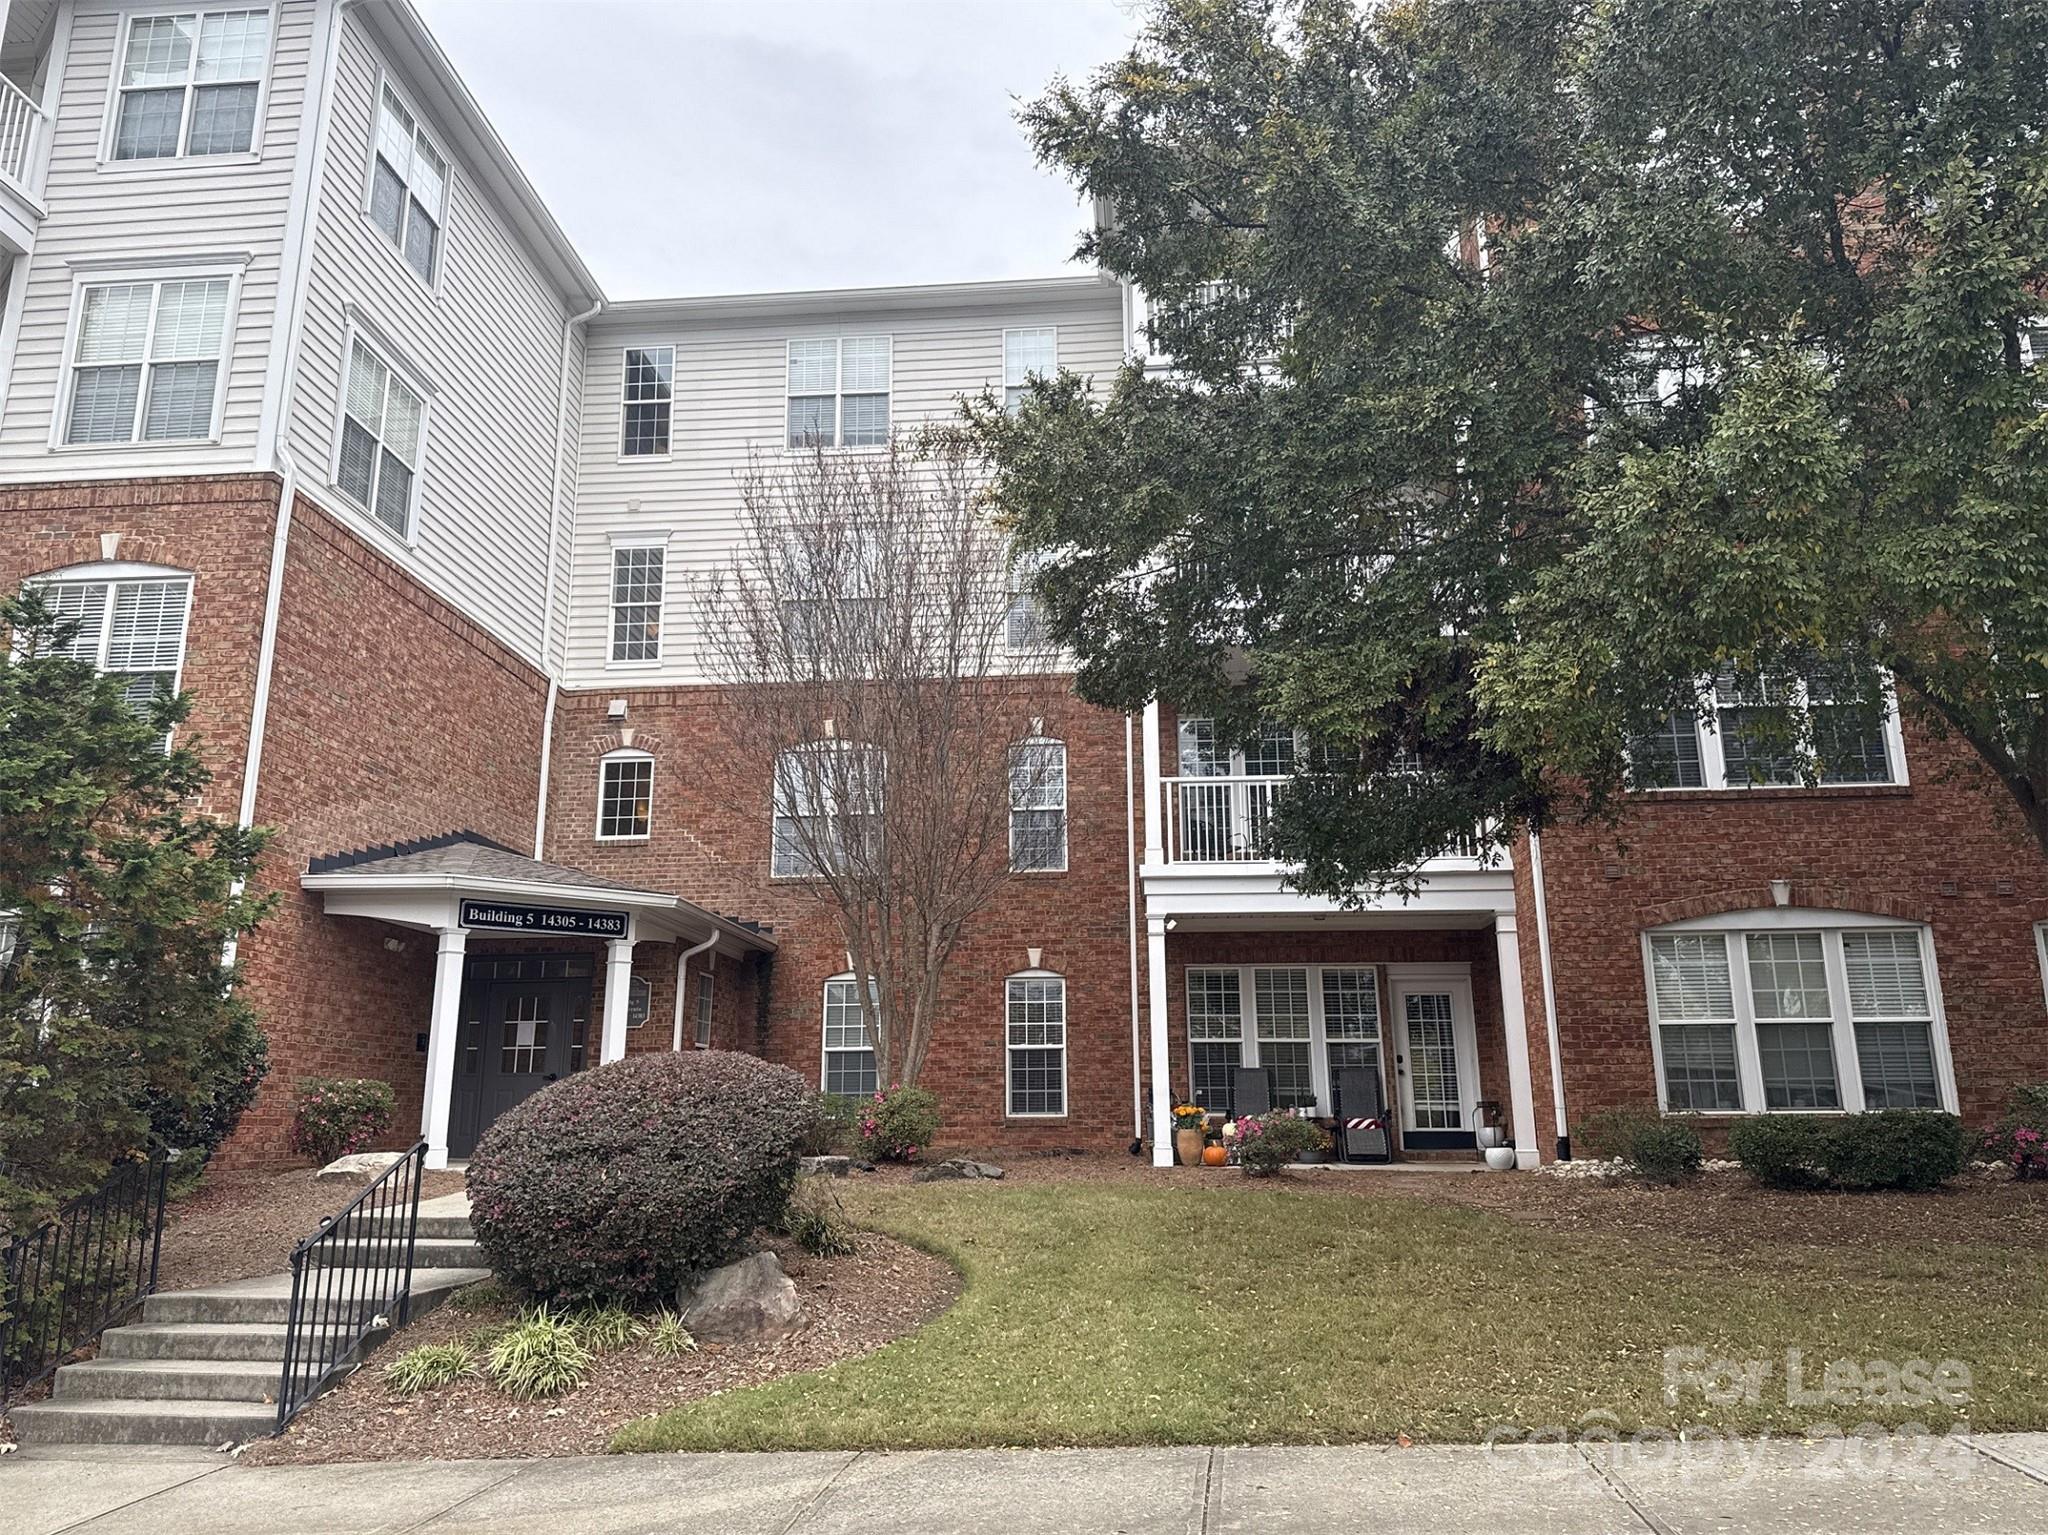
{"x":682,"y":966}
{"x":1131,"y":863}
{"x":547,"y":623}
{"x":1564,"y":1138}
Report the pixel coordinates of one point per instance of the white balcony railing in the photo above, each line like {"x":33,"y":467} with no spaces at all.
{"x":18,"y":118}
{"x":1224,"y":820}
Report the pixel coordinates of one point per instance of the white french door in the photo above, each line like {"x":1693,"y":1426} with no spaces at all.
{"x":1436,"y":1052}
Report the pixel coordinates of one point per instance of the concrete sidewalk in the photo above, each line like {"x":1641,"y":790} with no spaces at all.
{"x":1991,"y":1482}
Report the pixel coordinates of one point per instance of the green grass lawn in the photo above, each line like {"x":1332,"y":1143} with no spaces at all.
{"x":1103,"y":1314}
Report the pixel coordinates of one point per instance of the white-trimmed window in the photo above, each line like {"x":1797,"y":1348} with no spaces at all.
{"x":849,"y":1064}
{"x":1035,"y":1007}
{"x":706,"y":994}
{"x":638,"y":574}
{"x":1028,"y":353}
{"x":1853,"y":740}
{"x":1038,"y":806}
{"x":190,"y":83}
{"x":838,"y":392}
{"x":382,"y":439}
{"x":625,"y":796}
{"x":648,"y":400}
{"x":1796,"y":1011}
{"x":1284,"y":1031}
{"x":131,"y":623}
{"x":828,"y":798}
{"x":1023,"y":620}
{"x":146,"y":360}
{"x":408,"y":185}
{"x":1309,"y":1022}
{"x":2041,"y":950}
{"x":1215,"y":1035}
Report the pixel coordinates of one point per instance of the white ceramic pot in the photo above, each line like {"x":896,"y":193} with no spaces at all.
{"x":1501,"y":1158}
{"x":1489,"y":1136}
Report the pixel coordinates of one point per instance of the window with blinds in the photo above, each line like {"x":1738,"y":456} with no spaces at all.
{"x":146,"y":364}
{"x":849,"y":1063}
{"x":1281,"y":1012}
{"x":838,"y":392}
{"x":1789,"y":1020}
{"x":190,"y":84}
{"x":1038,"y":806}
{"x":383,"y":430}
{"x":408,"y":186}
{"x":1817,"y":722}
{"x":130,"y":628}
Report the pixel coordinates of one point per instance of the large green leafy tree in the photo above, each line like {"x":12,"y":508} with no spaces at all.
{"x":118,"y":1022}
{"x":1538,"y":362}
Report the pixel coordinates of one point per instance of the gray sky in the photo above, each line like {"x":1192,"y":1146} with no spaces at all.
{"x":726,"y":146}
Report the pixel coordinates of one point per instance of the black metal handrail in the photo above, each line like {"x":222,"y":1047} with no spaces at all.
{"x":349,"y":1278}
{"x":81,"y":1271}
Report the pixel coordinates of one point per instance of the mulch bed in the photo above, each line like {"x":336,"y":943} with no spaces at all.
{"x":851,"y":1305}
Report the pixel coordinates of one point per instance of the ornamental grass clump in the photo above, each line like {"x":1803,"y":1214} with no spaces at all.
{"x":429,"y":1365}
{"x":539,"y":1355}
{"x":668,"y":1337}
{"x":618,"y":1183}
{"x":605,"y":1328}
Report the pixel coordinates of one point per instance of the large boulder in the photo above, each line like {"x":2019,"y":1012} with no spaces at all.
{"x":751,"y":1301}
{"x":958,"y":1167}
{"x":362,"y":1167}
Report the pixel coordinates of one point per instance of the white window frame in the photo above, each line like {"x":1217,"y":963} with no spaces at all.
{"x":1016,"y":379}
{"x":110,"y":125}
{"x":113,"y":575}
{"x":1042,"y":743}
{"x":702,"y":1019}
{"x":825,"y":1049}
{"x":1318,"y":1032}
{"x":412,"y":378}
{"x":655,"y":540}
{"x":85,"y":278}
{"x":1714,"y":765}
{"x":2041,"y":951}
{"x":1733,"y":928}
{"x":605,"y":764}
{"x":839,"y":392}
{"x":1022,"y":606}
{"x":625,"y":404}
{"x":1011,"y":1047}
{"x":386,"y":81}
{"x":826,"y":803}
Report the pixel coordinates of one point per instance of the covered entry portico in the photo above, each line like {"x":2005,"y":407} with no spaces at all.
{"x":570,"y":933}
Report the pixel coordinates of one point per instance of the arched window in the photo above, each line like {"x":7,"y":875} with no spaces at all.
{"x":131,"y":621}
{"x":1788,"y":1009}
{"x":1035,"y":1045}
{"x":625,"y":796}
{"x":828,"y":806}
{"x":1038,"y":805}
{"x":849,"y":1054}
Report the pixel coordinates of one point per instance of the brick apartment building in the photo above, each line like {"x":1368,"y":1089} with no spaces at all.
{"x":310,"y":408}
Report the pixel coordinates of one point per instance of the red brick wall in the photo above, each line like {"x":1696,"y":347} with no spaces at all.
{"x":1945,"y":851}
{"x":391,"y":717}
{"x":704,"y":853}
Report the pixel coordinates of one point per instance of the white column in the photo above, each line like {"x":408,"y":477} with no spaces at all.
{"x":1514,"y":1019}
{"x":1155,"y":814}
{"x":1155,"y":992}
{"x":443,"y":1024}
{"x":618,"y":977}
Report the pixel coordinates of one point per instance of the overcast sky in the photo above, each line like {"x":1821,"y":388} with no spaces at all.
{"x":728,"y":146}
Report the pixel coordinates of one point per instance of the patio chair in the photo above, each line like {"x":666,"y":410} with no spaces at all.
{"x":1362,"y":1116}
{"x":1251,"y":1090}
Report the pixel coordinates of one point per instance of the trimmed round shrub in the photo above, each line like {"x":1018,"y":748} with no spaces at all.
{"x":1782,"y":1151}
{"x":621,"y":1182}
{"x":1911,"y":1149}
{"x":1277,"y":1140}
{"x":337,"y":1116}
{"x":1654,"y":1146}
{"x":899,"y":1125}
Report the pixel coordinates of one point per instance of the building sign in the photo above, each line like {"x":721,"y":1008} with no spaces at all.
{"x":555,"y":921}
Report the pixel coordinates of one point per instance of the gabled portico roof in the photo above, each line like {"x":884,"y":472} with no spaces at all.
{"x":422,"y":884}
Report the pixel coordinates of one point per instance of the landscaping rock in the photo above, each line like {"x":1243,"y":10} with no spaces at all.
{"x":959,"y":1167}
{"x":363,"y":1167}
{"x":823,"y":1167}
{"x":745,"y":1302}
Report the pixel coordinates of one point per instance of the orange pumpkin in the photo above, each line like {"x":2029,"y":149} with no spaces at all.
{"x":1215,"y":1156}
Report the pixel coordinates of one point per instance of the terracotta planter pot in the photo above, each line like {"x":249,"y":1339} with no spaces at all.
{"x":1187,"y":1146}
{"x":1215,"y":1156}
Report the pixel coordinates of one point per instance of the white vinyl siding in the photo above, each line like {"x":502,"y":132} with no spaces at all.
{"x":408,"y":185}
{"x":190,"y":83}
{"x":625,"y":797}
{"x":1035,"y":1046}
{"x":1787,"y":1018}
{"x":132,"y":628}
{"x":839,"y":392}
{"x":848,"y":1065}
{"x":146,"y":365}
{"x":383,"y":434}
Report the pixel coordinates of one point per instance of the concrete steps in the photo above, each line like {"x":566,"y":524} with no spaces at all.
{"x":202,"y":1366}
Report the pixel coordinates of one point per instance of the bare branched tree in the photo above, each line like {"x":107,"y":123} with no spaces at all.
{"x":876,"y":656}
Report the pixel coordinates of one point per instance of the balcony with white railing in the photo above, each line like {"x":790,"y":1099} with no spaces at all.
{"x":1217,"y":821}
{"x":19,"y":119}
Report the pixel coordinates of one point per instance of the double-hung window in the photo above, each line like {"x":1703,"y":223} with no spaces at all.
{"x":1027,"y":354}
{"x":1776,"y":1018}
{"x":146,"y":365}
{"x":408,"y":186}
{"x":649,"y":389}
{"x":706,"y":993}
{"x":1024,"y":629}
{"x":625,"y":796}
{"x":849,"y":1052}
{"x":1215,"y":1035}
{"x":1309,"y":1024}
{"x":1038,"y":806}
{"x":828,"y":807}
{"x":838,"y":392}
{"x":638,"y":573}
{"x":1036,"y":1045}
{"x":190,"y":84}
{"x":1818,"y":722}
{"x":130,"y":627}
{"x":1281,"y":1012}
{"x":383,"y":430}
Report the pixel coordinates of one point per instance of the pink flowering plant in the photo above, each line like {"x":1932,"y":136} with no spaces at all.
{"x":899,"y":1125}
{"x":2020,"y":1138}
{"x":337,"y":1116}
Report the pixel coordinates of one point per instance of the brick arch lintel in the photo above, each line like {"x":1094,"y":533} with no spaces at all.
{"x":135,"y":549}
{"x":609,"y":741}
{"x":1805,"y":894}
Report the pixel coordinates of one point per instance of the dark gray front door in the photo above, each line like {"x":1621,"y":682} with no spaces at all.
{"x":522,"y":1042}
